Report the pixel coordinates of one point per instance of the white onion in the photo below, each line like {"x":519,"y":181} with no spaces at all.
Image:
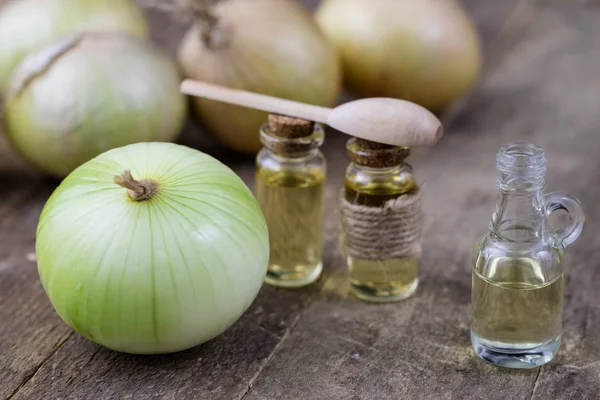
{"x":88,"y":93}
{"x":156,"y":271}
{"x":266,"y":46}
{"x":28,"y":25}
{"x":424,"y":51}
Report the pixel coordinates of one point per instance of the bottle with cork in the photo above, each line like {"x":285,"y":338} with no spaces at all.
{"x":290,"y":175}
{"x":380,"y":209}
{"x":380,"y":203}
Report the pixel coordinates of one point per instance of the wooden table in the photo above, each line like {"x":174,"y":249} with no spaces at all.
{"x":542,"y":84}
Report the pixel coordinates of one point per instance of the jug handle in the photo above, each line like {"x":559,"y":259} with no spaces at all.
{"x":570,"y":232}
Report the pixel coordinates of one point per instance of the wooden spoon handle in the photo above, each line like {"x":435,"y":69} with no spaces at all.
{"x":257,"y":101}
{"x":390,"y":121}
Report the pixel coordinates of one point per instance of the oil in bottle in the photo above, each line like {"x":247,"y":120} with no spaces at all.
{"x":290,"y":179}
{"x":515,"y":304}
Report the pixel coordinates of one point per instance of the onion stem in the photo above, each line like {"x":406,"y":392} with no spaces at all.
{"x":140,"y":190}
{"x":208,"y":23}
{"x":201,"y":13}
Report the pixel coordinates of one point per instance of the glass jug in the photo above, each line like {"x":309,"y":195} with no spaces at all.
{"x":517,"y":274}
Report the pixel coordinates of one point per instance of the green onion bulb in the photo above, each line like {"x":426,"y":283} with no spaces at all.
{"x":152,"y":248}
{"x":88,"y":93}
{"x":28,"y":25}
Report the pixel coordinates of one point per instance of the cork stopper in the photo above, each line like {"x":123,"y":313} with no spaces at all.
{"x":375,"y":155}
{"x":288,"y":135}
{"x":369,"y":145}
{"x":288,"y":127}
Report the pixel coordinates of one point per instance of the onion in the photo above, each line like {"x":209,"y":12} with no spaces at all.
{"x":424,"y":51}
{"x":88,"y":93}
{"x":28,"y":25}
{"x":155,"y":260}
{"x":266,"y":46}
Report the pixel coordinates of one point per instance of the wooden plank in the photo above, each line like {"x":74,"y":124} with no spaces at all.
{"x":222,"y":368}
{"x":545,"y":92}
{"x":573,"y":79}
{"x":30,"y":331}
{"x":45,"y":361}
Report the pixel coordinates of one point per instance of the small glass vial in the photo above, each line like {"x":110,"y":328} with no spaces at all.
{"x":290,"y":175}
{"x":380,"y":209}
{"x":517,"y":292}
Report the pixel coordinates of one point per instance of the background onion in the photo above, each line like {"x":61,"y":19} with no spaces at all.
{"x":425,"y":51}
{"x":28,"y":25}
{"x":157,"y":275}
{"x":89,"y":93}
{"x":267,"y":46}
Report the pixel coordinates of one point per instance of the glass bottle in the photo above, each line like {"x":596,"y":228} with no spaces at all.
{"x":290,"y":175}
{"x":377,"y":174}
{"x":517,"y":292}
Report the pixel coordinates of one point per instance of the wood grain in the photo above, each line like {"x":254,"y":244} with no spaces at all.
{"x":30,"y":331}
{"x":318,"y":342}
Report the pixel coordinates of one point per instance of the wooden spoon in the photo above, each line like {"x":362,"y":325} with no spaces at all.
{"x":383,"y":120}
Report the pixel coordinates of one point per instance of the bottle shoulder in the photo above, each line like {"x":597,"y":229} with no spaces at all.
{"x":493,"y":243}
{"x":268,"y":159}
{"x":392,"y":181}
{"x":274,"y":170}
{"x":492,"y":254}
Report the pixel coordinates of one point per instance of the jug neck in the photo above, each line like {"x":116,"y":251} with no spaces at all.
{"x":519,"y":215}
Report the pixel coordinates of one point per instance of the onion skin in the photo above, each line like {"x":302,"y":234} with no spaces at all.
{"x":425,"y":51}
{"x":89,"y":93}
{"x":266,"y":46}
{"x":159,"y":275}
{"x":29,"y":25}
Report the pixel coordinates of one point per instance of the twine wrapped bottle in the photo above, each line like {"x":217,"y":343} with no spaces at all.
{"x":381,"y":222}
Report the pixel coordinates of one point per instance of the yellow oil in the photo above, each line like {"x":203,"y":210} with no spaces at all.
{"x":376,"y":193}
{"x":381,"y":280}
{"x":515,"y":305}
{"x":292,"y":203}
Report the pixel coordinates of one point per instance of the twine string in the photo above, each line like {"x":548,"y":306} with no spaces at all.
{"x":382,"y":233}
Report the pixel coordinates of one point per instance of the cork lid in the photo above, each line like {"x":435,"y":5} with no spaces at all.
{"x":288,"y":135}
{"x":375,"y":155}
{"x":289,"y":127}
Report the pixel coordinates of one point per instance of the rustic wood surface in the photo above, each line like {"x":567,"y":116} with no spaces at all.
{"x":541,"y":85}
